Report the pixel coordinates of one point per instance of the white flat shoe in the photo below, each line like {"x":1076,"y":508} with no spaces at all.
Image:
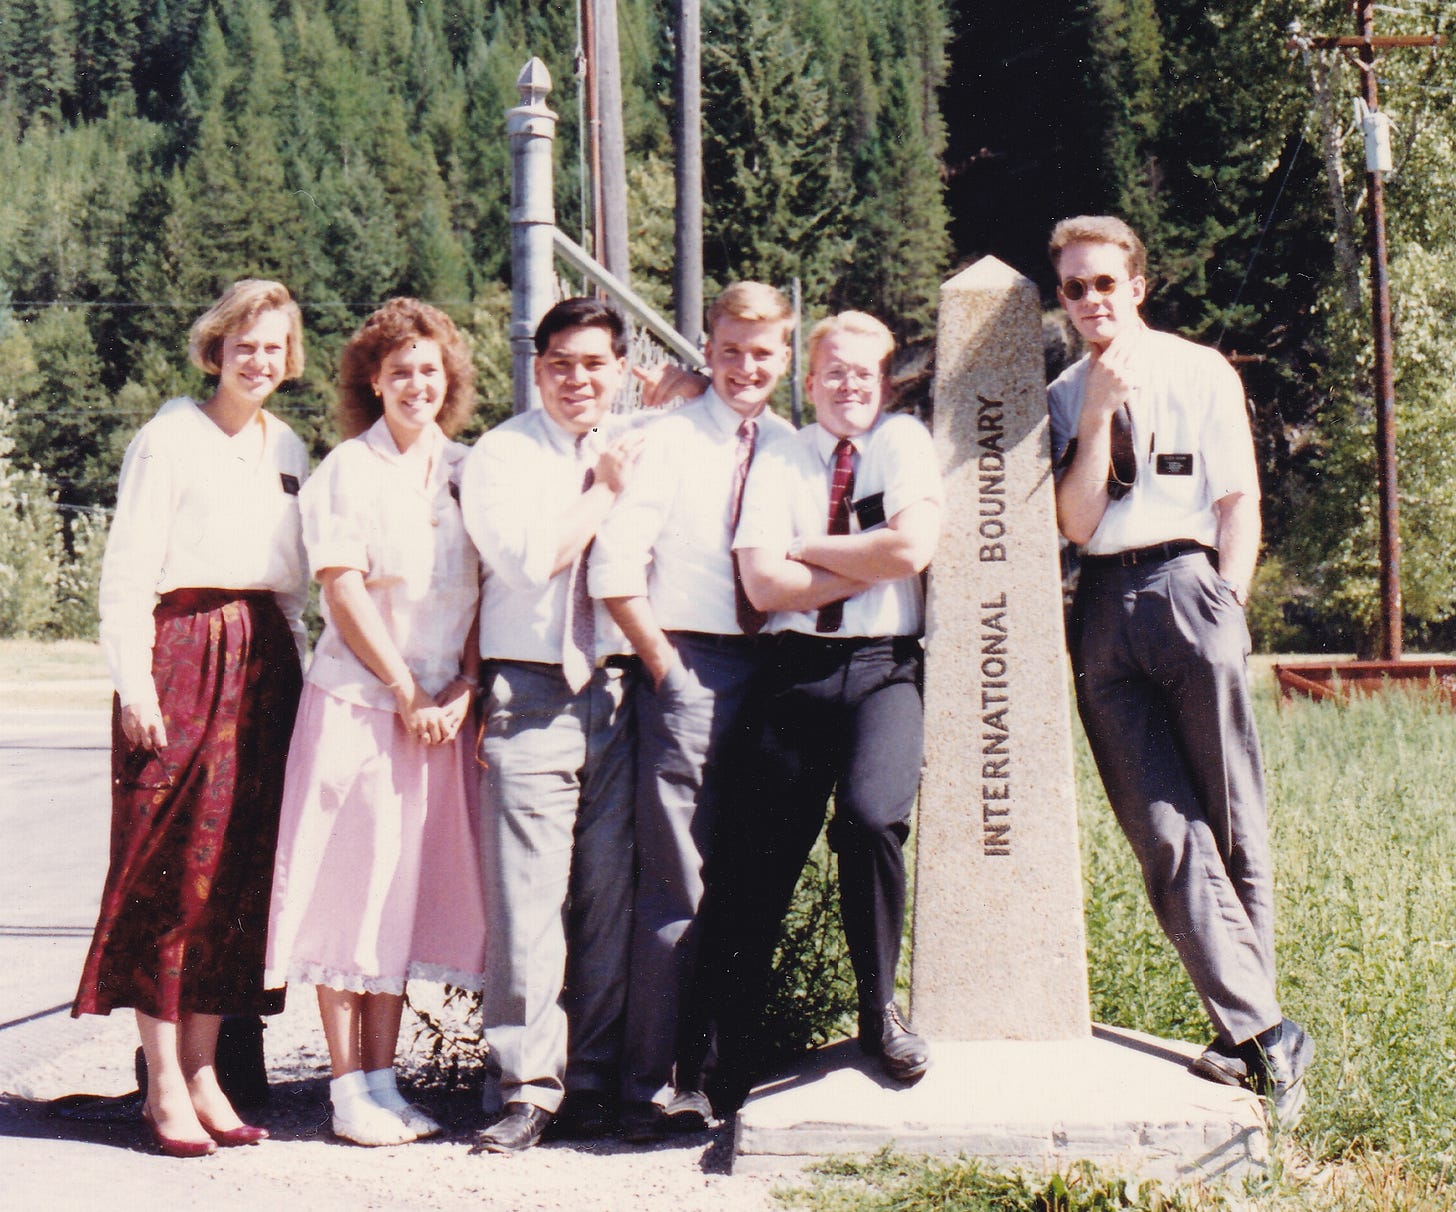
{"x":367,"y":1123}
{"x":417,"y":1119}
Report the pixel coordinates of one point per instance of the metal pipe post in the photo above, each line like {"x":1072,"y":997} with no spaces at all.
{"x":687,"y":145}
{"x":532,"y":130}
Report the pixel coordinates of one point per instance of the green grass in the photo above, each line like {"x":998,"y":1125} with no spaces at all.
{"x":1363,"y":823}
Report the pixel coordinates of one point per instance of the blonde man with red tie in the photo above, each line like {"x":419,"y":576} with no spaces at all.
{"x":837,"y":526}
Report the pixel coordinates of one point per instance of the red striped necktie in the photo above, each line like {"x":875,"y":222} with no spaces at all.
{"x":841,"y":486}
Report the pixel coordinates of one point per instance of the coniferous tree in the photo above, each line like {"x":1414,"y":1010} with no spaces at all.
{"x":776,"y":192}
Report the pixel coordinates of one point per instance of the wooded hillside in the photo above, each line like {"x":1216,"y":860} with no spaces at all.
{"x":153,"y":150}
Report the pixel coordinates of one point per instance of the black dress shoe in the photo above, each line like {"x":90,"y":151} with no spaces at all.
{"x":583,"y":1115}
{"x":1224,"y":1063}
{"x":686,"y":1112}
{"x":642,"y":1123}
{"x":1272,"y":1065}
{"x":515,"y":1132}
{"x":903,"y":1054}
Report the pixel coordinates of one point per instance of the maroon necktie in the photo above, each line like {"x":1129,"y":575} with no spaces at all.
{"x":750,"y":618}
{"x":579,"y":631}
{"x":840,"y":488}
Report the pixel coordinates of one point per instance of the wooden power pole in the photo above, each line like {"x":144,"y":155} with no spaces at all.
{"x":1364,"y":46}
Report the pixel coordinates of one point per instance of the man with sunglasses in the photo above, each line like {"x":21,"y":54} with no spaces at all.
{"x":1157,"y":485}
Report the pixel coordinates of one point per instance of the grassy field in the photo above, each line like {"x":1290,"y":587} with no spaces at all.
{"x":1364,"y":837}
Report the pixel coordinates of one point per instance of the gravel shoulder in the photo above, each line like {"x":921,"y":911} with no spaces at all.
{"x":62,"y":1164}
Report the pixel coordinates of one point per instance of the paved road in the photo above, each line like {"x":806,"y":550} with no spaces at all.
{"x":54,"y":813}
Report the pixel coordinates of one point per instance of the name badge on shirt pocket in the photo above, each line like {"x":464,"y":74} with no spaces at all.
{"x":290,"y":483}
{"x":870,"y":511}
{"x":1175,"y":464}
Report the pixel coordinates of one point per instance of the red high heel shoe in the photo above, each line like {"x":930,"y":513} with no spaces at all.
{"x":176,"y":1148}
{"x":243,"y":1134}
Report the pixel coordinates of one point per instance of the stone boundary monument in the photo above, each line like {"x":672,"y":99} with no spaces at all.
{"x":1019,"y":1074}
{"x":1000,"y":951}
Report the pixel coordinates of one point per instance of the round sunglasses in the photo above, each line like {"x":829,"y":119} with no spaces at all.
{"x":1077,"y":288}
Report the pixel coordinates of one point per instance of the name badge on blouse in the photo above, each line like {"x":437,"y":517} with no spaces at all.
{"x":1175,"y":464}
{"x":870,"y":511}
{"x":290,"y":483}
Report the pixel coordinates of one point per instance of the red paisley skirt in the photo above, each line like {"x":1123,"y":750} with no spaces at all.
{"x":184,"y":913}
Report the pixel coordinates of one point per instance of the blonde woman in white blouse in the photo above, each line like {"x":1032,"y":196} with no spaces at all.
{"x":202,"y":589}
{"x":377,"y":880}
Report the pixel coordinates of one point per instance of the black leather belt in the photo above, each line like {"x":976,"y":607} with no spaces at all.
{"x":714,"y":640}
{"x":1157,"y":553}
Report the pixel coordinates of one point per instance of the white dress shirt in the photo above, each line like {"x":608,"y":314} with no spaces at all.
{"x":787,"y":497}
{"x":669,"y":536}
{"x":1190,"y":431}
{"x":198,"y":509}
{"x":519,"y":481}
{"x":371,"y":508}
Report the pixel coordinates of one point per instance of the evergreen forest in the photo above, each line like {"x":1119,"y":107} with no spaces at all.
{"x":152,"y":151}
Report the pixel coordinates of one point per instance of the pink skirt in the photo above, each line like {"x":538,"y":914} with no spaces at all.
{"x":377,"y":879}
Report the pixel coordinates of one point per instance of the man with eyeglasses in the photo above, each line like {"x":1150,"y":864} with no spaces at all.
{"x":1157,"y":485}
{"x":837,"y":526}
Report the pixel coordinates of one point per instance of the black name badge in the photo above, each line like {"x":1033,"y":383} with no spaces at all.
{"x":1175,"y":465}
{"x":290,"y":483}
{"x":870,"y":511}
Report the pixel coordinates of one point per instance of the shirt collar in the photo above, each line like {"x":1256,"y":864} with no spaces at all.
{"x":724,"y":416}
{"x":561,"y":439}
{"x":426,"y":448}
{"x":825,"y":442}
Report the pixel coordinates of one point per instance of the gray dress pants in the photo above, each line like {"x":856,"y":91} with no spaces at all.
{"x":687,"y":727}
{"x":1160,"y":656}
{"x":557,"y":793}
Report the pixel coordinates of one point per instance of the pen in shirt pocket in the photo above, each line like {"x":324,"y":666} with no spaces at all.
{"x":1152,"y":442}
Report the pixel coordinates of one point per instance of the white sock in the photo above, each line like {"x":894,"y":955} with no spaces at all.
{"x":384,"y":1091}
{"x":349,"y":1089}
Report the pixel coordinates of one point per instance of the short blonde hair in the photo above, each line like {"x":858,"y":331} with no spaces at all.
{"x":242,"y":303}
{"x":754,"y":302}
{"x":1099,"y":229}
{"x":857,"y":323}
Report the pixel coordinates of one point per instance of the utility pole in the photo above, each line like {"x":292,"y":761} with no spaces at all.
{"x":687,"y":147}
{"x":1377,"y":163}
{"x":612,"y":159}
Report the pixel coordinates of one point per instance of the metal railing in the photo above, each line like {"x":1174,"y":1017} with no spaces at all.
{"x":536,"y":241}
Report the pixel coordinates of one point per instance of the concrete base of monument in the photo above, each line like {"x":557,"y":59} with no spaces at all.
{"x":1120,"y":1099}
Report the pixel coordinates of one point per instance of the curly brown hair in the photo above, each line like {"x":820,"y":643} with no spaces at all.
{"x":397,"y":323}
